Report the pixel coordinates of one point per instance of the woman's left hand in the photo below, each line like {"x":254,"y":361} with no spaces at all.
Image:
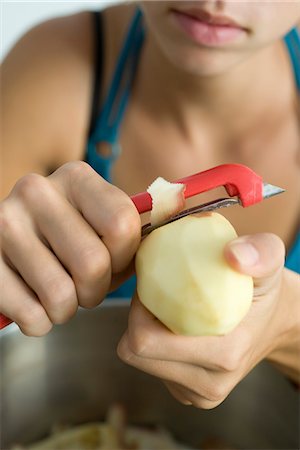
{"x":202,"y":371}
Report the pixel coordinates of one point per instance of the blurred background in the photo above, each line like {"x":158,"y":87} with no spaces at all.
{"x":19,"y":16}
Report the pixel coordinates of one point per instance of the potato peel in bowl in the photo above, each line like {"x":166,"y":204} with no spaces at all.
{"x":113,"y":434}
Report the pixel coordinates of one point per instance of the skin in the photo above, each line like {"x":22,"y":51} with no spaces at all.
{"x":69,"y":237}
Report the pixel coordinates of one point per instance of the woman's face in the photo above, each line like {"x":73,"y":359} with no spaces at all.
{"x":209,"y":37}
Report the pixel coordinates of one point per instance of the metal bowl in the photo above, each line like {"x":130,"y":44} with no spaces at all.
{"x":73,"y":375}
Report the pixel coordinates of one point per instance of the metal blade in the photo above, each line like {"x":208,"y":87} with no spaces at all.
{"x":210,"y":206}
{"x":269,"y":190}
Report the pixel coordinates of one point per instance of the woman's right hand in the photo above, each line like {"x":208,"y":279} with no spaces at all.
{"x":67,"y":240}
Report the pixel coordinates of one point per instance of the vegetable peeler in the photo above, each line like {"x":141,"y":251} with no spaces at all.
{"x":242,"y":184}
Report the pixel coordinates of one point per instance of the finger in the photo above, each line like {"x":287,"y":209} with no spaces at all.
{"x":260,"y":256}
{"x":189,"y":397}
{"x":149,"y":338}
{"x":21,"y":305}
{"x":202,"y":383}
{"x":178,"y":392}
{"x":79,"y":249}
{"x":42,"y":271}
{"x":71,"y":238}
{"x":106,"y":208}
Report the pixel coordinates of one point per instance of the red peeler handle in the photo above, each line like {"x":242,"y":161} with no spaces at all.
{"x":238,"y":180}
{"x":4,"y":321}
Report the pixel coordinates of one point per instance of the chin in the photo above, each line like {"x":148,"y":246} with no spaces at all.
{"x":204,"y":62}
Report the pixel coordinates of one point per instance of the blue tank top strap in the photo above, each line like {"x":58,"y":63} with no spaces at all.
{"x":292,"y":41}
{"x":108,"y":124}
{"x":292,"y":261}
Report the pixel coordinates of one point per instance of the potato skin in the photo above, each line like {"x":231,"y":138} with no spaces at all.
{"x":185,"y":281}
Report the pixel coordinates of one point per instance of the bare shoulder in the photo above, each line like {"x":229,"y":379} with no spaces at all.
{"x":47,"y":82}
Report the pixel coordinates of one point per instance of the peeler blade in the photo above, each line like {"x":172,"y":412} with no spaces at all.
{"x":205,"y":207}
{"x":269,"y":190}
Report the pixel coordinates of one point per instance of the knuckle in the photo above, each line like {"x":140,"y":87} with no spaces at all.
{"x":200,"y":403}
{"x":33,"y":321}
{"x":230,"y":361}
{"x":183,"y":401}
{"x":3,"y":215}
{"x":94,"y":265}
{"x":5,"y":222}
{"x":273,"y":247}
{"x":236,"y":349}
{"x":203,"y":403}
{"x":123,"y":350}
{"x":139,"y":341}
{"x":197,"y":400}
{"x":277,"y":242}
{"x":59,"y":289}
{"x":76,"y":169}
{"x":40,"y":331}
{"x":216,"y":393}
{"x":11,"y":227}
{"x":179,"y":392}
{"x":178,"y":395}
{"x":280,"y":248}
{"x":126,"y":223}
{"x":29,"y":187}
{"x":60,"y":298}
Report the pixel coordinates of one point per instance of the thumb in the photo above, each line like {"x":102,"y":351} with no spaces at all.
{"x":258,"y":255}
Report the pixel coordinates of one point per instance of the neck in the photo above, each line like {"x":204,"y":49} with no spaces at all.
{"x":244,"y":95}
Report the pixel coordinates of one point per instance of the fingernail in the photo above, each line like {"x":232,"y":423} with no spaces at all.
{"x":245,"y":253}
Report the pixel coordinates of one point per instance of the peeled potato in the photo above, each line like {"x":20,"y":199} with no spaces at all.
{"x":185,"y":281}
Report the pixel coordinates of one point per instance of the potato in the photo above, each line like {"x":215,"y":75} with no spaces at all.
{"x":185,"y":281}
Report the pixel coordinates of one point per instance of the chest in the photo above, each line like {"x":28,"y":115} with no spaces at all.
{"x":151,"y":148}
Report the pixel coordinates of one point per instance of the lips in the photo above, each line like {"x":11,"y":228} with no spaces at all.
{"x":207,"y":29}
{"x":210,"y":19}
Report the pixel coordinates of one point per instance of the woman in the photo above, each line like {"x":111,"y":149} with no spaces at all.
{"x":209,"y":82}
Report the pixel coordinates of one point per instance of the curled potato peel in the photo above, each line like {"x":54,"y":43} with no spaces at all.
{"x":185,"y":281}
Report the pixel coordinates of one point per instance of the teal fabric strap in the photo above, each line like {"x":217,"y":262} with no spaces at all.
{"x":292,"y":41}
{"x":293,"y":258}
{"x":108,"y":125}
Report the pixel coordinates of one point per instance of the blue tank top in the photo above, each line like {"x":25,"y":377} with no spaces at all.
{"x":108,"y":124}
